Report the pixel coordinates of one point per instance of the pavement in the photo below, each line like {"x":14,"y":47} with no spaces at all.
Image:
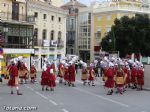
{"x":72,"y":99}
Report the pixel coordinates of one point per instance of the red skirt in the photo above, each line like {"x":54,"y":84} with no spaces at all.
{"x":66,"y":77}
{"x":127,"y":80}
{"x":109,"y":83}
{"x":91,"y":78}
{"x":52,"y":83}
{"x":12,"y":82}
{"x":140,"y":81}
{"x":71,"y":78}
{"x":44,"y":82}
{"x":133,"y":79}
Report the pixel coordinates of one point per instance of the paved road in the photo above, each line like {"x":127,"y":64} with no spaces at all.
{"x":74,"y":99}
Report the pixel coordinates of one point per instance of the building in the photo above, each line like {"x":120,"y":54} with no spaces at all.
{"x":49,"y":31}
{"x":84,"y":33}
{"x":16,"y":27}
{"x":57,"y":3}
{"x":104,"y":15}
{"x":73,"y":7}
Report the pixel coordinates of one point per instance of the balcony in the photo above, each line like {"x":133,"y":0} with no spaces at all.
{"x":129,"y":8}
{"x":6,"y":16}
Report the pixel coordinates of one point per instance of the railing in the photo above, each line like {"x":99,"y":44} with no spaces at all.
{"x":21,"y":17}
{"x":17,"y":46}
{"x":122,"y":7}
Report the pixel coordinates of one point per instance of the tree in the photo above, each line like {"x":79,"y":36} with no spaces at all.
{"x":129,"y":35}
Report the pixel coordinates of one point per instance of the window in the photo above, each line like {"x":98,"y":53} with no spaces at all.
{"x":44,"y":16}
{"x":36,"y":32}
{"x":52,"y":35}
{"x":59,"y":19}
{"x":44,"y":34}
{"x":108,"y":17}
{"x":36,"y":14}
{"x":52,"y":18}
{"x":59,"y":36}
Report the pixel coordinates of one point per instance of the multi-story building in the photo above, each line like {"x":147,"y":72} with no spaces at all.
{"x":49,"y":30}
{"x":104,"y":15}
{"x":96,"y":20}
{"x":16,"y":27}
{"x":84,"y":33}
{"x":73,"y":8}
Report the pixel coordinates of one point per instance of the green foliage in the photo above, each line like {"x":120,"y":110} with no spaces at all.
{"x":129,"y":35}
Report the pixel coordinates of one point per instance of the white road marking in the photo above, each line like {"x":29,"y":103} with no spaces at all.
{"x":101,"y":97}
{"x":41,"y":95}
{"x":30,"y":88}
{"x":54,"y":103}
{"x":64,"y":110}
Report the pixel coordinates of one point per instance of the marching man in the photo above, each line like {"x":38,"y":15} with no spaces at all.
{"x":52,"y":79}
{"x":61,"y":72}
{"x":44,"y":79}
{"x":84,"y":76}
{"x":33,"y":73}
{"x":72,"y":74}
{"x":140,"y":78}
{"x":91,"y":76}
{"x":13,"y":81}
{"x":109,"y":83}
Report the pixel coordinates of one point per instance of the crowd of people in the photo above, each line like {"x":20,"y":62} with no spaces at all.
{"x":117,"y":74}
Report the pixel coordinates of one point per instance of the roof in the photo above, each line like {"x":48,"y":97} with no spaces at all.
{"x":74,"y":3}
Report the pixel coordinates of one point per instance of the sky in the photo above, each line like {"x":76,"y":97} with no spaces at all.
{"x":87,"y":2}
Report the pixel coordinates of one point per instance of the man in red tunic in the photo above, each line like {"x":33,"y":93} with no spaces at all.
{"x":72,"y":75}
{"x":140,"y":78}
{"x":52,"y":79}
{"x":33,"y":73}
{"x":134,"y":77}
{"x":44,"y":79}
{"x":13,"y":81}
{"x":109,"y":83}
{"x":61,"y":72}
{"x":91,"y":77}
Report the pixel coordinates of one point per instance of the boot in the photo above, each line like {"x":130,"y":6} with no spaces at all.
{"x":73,"y":85}
{"x":18,"y":93}
{"x":42,"y":88}
{"x":12,"y":92}
{"x":47,"y":89}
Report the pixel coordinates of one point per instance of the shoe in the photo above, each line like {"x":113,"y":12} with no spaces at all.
{"x":93,"y":85}
{"x":47,"y":89}
{"x":18,"y":93}
{"x":42,"y":89}
{"x":12,"y":92}
{"x":73,"y":85}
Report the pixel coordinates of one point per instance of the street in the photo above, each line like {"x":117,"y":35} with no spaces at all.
{"x":73,"y":99}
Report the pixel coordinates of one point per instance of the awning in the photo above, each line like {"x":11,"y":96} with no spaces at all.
{"x":24,"y":1}
{"x":18,"y":51}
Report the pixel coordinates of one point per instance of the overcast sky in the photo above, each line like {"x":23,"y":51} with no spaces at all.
{"x":84,"y":1}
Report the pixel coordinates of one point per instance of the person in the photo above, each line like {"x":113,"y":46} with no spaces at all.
{"x":66,"y":74}
{"x":96,"y":70}
{"x":140,"y":78}
{"x":44,"y":79}
{"x":13,"y":81}
{"x":84,"y":75}
{"x":61,"y":72}
{"x":126,"y":70}
{"x":134,"y":76}
{"x":33,"y":73}
{"x":109,"y":83}
{"x":91,"y":77}
{"x":119,"y":80}
{"x":72,"y":74}
{"x":52,"y":79}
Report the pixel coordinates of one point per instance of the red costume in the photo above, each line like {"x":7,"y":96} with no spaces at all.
{"x":127,"y":73}
{"x":140,"y":77}
{"x":72,"y":72}
{"x":52,"y":80}
{"x":133,"y":75}
{"x":13,"y":72}
{"x":66,"y":75}
{"x":109,"y":83}
{"x":91,"y":75}
{"x":119,"y":78}
{"x":44,"y":78}
{"x":33,"y":72}
{"x":61,"y":70}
